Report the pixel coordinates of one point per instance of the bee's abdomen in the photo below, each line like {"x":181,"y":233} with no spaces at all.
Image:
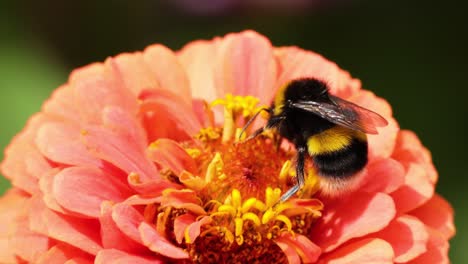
{"x":338,"y":152}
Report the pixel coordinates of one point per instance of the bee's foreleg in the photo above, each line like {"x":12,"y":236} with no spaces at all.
{"x":301,"y":152}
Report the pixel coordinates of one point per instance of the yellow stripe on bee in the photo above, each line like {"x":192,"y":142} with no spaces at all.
{"x":279,"y":99}
{"x":333,"y":139}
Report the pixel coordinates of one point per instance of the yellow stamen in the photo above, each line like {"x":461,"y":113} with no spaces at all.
{"x":193,"y":152}
{"x":215,"y":168}
{"x":284,"y":173}
{"x":252,"y":217}
{"x":285,"y":220}
{"x":247,"y":205}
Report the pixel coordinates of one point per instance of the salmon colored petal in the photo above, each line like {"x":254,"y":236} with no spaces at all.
{"x":181,"y":223}
{"x":125,"y":125}
{"x":78,"y":261}
{"x":245,"y":65}
{"x":150,"y":187}
{"x":416,"y":191}
{"x":28,"y":245}
{"x":98,"y":86}
{"x":198,"y":60}
{"x":297,"y":63}
{"x":46,"y":183}
{"x":81,"y":233}
{"x":186,"y":199}
{"x":90,"y":187}
{"x":355,"y":216}
{"x":159,"y":244}
{"x":112,"y":236}
{"x":383,"y":175}
{"x":61,"y":253}
{"x":23,"y":163}
{"x":168,"y":71}
{"x":366,"y":251}
{"x":127,"y":219}
{"x":171,"y":155}
{"x":306,"y":249}
{"x":437,"y":214}
{"x":60,"y":106}
{"x":167,"y":106}
{"x":194,"y":229}
{"x":289,"y":251}
{"x":114,"y":148}
{"x":140,"y":200}
{"x":409,"y":150}
{"x":61,"y":143}
{"x":408,"y":237}
{"x":437,"y":250}
{"x":383,"y":143}
{"x":133,"y":72}
{"x":12,"y":200}
{"x":114,"y":256}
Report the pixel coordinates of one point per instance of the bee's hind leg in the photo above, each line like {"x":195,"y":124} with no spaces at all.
{"x":301,"y":152}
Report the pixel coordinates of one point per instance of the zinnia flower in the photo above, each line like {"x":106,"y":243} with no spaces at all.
{"x":137,"y":160}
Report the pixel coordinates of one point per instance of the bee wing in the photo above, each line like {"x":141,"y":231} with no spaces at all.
{"x":344,"y":113}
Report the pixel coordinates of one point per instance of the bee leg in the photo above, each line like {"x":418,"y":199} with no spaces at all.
{"x":255,"y":134}
{"x":301,"y":152}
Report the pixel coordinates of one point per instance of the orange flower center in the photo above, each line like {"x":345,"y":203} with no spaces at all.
{"x":239,"y":184}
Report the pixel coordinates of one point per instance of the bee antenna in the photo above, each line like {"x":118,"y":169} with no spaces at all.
{"x":250,"y":121}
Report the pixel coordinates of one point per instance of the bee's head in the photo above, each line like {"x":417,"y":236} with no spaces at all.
{"x":307,"y":89}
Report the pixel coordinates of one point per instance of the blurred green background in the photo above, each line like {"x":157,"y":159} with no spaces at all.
{"x":413,"y":53}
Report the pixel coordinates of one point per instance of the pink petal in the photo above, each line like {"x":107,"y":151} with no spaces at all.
{"x":140,"y":200}
{"x":171,"y":155}
{"x":46,"y":184}
{"x":150,"y":187}
{"x":61,"y":253}
{"x":180,"y":225}
{"x":114,"y":256}
{"x":383,"y":175}
{"x":13,"y":206}
{"x":112,"y":236}
{"x":437,"y":214}
{"x":382,"y":144}
{"x":81,"y":233}
{"x":194,"y":229}
{"x":198,"y":60}
{"x":416,"y":191}
{"x":437,"y":250}
{"x":83,"y":189}
{"x":78,"y":261}
{"x":119,"y":151}
{"x":26,"y":244}
{"x":164,"y":65}
{"x":61,"y":105}
{"x":23,"y":163}
{"x":61,"y":143}
{"x":186,"y":199}
{"x":370,"y":251}
{"x":354,"y":216}
{"x":245,"y":65}
{"x":297,"y":63}
{"x":306,"y":249}
{"x":409,"y":150}
{"x":128,"y":219}
{"x":125,"y":125}
{"x":408,"y":237}
{"x":159,"y":244}
{"x":97,"y":86}
{"x":169,"y":111}
{"x":289,"y":251}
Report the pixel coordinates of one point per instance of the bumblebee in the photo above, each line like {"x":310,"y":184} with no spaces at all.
{"x":328,"y":129}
